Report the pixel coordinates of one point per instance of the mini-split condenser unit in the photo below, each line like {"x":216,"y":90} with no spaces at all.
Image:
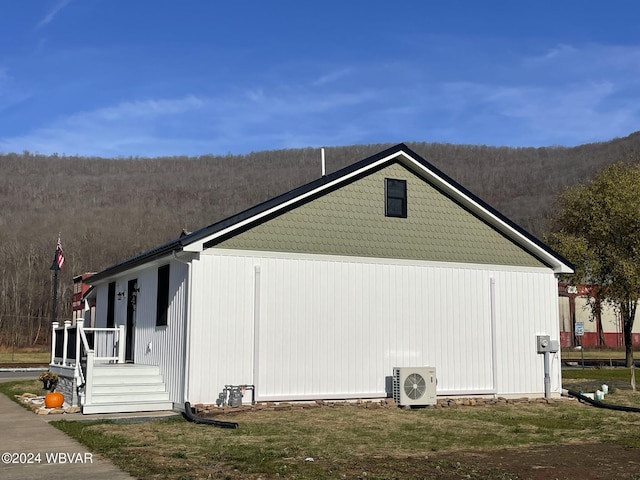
{"x":414,"y":386}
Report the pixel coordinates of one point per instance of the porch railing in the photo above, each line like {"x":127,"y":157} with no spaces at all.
{"x":79,"y":348}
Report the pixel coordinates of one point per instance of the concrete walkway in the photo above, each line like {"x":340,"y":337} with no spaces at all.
{"x":25,"y":435}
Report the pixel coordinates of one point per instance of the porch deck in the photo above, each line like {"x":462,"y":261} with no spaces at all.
{"x":94,"y":376}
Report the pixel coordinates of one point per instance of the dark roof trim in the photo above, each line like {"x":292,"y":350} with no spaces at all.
{"x":178,"y":244}
{"x":288,"y":196}
{"x":145,"y":257}
{"x":301,"y":200}
{"x":344,"y":173}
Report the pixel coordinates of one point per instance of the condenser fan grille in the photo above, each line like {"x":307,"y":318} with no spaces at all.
{"x":415,"y":386}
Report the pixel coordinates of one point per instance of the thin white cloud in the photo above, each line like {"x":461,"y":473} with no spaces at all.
{"x":586,"y":60}
{"x":572,"y":111}
{"x":567,"y":114}
{"x":11,"y":92}
{"x":526,"y":103}
{"x":146,"y":108}
{"x":48,"y":18}
{"x":568,"y":95}
{"x":593,"y":95}
{"x":301,"y":101}
{"x":558,"y":52}
{"x":190,"y":125}
{"x":122,"y":130}
{"x":332,"y":77}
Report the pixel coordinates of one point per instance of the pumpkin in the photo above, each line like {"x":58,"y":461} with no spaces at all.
{"x":53,"y":400}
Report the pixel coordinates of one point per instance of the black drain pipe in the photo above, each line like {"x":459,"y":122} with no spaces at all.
{"x":598,"y":404}
{"x":188,"y":414}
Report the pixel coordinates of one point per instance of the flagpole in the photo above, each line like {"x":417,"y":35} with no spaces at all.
{"x":54,"y":305}
{"x":58,"y":260}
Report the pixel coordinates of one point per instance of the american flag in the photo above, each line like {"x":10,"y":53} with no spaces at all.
{"x":59,"y":254}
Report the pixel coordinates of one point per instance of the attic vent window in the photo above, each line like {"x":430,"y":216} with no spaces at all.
{"x":395,"y":198}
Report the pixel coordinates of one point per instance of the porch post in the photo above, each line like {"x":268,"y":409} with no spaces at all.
{"x":121,"y":343}
{"x":67,"y":325}
{"x":53,"y":341}
{"x":79,"y":325}
{"x":88,"y":380}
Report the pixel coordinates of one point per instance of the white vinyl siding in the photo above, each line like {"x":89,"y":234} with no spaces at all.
{"x":162,"y":346}
{"x":335,"y":327}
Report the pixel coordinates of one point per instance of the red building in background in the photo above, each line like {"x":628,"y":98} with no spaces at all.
{"x":80,"y":287}
{"x":601,"y":330}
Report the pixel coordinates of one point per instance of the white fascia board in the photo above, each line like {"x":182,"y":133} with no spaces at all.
{"x":489,"y":217}
{"x":198,"y":246}
{"x":418,"y":167}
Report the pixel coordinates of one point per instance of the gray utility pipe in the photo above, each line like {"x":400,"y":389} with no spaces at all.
{"x":547,"y":376}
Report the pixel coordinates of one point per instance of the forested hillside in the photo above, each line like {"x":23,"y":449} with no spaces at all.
{"x":109,"y":209}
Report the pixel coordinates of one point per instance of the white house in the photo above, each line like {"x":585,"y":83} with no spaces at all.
{"x":321,"y":292}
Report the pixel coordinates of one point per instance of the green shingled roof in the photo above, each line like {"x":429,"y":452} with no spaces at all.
{"x":351,"y":221}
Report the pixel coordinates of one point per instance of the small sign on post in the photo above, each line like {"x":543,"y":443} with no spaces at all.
{"x":579,"y":331}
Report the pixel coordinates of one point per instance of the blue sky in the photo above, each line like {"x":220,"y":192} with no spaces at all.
{"x":119,"y":78}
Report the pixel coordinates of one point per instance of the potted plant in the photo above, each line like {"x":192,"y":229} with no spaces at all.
{"x":49,"y":380}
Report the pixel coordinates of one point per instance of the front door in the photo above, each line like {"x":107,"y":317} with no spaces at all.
{"x":132,"y":297}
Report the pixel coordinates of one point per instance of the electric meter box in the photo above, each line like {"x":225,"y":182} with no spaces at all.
{"x":546,"y":345}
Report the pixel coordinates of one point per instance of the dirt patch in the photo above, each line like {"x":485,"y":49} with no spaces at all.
{"x":594,"y":461}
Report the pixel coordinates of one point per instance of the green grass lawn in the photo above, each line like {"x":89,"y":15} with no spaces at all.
{"x":277,"y":444}
{"x":8,"y":357}
{"x":11,"y":389}
{"x":344,"y":441}
{"x":590,"y":352}
{"x":600,"y":374}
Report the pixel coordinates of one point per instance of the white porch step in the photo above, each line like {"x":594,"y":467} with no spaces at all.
{"x":124,"y":369}
{"x":102,"y":388}
{"x":126,"y":407}
{"x":127,"y":388}
{"x":125,"y":379}
{"x":125,"y":397}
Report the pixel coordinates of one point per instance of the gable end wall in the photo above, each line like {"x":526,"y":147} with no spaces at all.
{"x":350,"y":221}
